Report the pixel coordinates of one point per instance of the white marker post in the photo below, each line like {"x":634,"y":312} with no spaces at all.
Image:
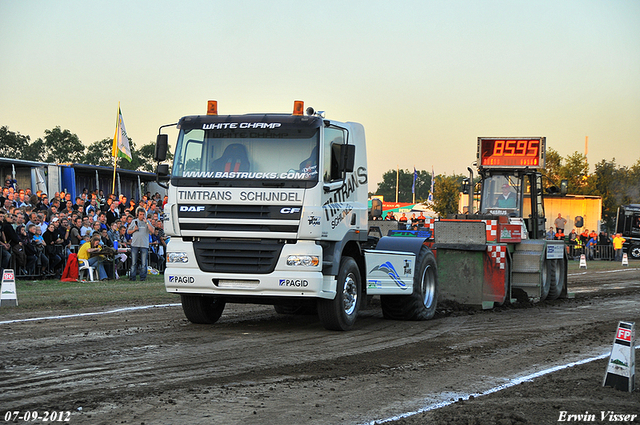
{"x":8,"y":294}
{"x":625,"y":260}
{"x":621,"y":369}
{"x":583,"y":261}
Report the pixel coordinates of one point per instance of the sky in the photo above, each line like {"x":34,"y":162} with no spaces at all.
{"x":425,"y":78}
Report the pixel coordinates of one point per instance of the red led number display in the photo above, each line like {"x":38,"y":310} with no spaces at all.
{"x":510,"y":153}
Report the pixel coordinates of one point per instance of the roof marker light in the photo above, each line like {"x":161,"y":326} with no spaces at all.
{"x":212,"y":107}
{"x":298,"y":107}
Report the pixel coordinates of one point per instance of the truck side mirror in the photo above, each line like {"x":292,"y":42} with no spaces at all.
{"x":162,"y":145}
{"x":342,"y":160}
{"x":162,"y":170}
{"x":347,"y":157}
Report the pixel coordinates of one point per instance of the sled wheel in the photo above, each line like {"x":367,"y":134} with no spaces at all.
{"x":545,"y":277}
{"x":557,"y":278}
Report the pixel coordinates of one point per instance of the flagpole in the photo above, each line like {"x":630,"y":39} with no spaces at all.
{"x":115,"y":164}
{"x":114,"y":150}
{"x":397,"y":182}
{"x":414,"y":184}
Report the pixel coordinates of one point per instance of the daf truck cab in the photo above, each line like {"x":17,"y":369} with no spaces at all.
{"x":272,"y":209}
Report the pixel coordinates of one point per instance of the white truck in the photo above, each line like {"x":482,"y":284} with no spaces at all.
{"x":272,"y":209}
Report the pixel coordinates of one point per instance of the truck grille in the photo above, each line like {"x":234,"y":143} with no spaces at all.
{"x":240,"y":256}
{"x":240,"y":227}
{"x":271,"y":221}
{"x":241,"y":212}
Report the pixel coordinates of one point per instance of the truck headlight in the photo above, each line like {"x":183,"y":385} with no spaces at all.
{"x":177,"y":257}
{"x":303,"y":260}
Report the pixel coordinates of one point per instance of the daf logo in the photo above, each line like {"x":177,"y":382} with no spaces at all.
{"x":192,"y":208}
{"x":287,"y":210}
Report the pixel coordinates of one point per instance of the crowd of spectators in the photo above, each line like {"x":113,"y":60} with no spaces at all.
{"x":39,"y":232}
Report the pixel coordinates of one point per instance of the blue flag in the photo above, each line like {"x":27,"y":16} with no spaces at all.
{"x":431,"y":192}
{"x":415,"y":176}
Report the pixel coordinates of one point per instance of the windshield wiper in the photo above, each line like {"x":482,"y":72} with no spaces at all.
{"x":273,"y":184}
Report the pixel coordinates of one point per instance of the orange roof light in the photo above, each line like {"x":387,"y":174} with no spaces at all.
{"x":298,"y":107}
{"x":212,"y":107}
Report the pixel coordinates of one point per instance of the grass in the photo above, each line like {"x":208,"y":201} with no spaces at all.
{"x":69,"y":296}
{"x":57,"y":295}
{"x":600,"y":265}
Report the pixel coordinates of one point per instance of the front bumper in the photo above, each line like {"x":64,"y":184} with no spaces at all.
{"x":285,"y":281}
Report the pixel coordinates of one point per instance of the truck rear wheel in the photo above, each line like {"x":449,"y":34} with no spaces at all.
{"x":634,"y":251}
{"x":339,"y":314}
{"x":421,"y":304}
{"x":202,"y":310}
{"x":556,"y":276}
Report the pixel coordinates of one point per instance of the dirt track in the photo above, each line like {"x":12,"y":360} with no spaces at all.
{"x":151,"y":366}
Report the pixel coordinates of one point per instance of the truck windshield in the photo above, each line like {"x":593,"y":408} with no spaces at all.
{"x":225,"y":154}
{"x":501,"y":195}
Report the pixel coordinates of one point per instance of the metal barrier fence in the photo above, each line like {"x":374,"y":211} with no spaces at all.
{"x":599,"y":252}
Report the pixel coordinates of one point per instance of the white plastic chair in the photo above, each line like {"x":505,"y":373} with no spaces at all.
{"x":83,"y":266}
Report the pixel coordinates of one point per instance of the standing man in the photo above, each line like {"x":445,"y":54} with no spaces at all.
{"x":113,"y":213}
{"x":139,"y":229}
{"x":560,"y":223}
{"x":618,"y":241}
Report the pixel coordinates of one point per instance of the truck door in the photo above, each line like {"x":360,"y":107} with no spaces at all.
{"x":533,"y":206}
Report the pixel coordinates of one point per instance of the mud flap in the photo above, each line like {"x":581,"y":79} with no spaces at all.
{"x":389,"y":272}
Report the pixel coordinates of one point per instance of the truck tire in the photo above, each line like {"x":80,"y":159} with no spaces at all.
{"x":557,"y":278}
{"x":421,"y":304}
{"x":634,"y":251}
{"x":202,"y":310}
{"x":298,"y":308}
{"x":545,"y":277}
{"x":339,"y":314}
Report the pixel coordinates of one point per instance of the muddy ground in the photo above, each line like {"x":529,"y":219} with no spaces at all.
{"x":151,"y":366}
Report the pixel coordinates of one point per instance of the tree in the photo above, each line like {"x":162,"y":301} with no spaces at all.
{"x":553,"y":165}
{"x":446,"y":194}
{"x":99,"y":153}
{"x":144,"y":155}
{"x":387,"y":187}
{"x":605,"y":182}
{"x":576,"y":171}
{"x":12,"y":145}
{"x":58,"y":146}
{"x":633,"y":184}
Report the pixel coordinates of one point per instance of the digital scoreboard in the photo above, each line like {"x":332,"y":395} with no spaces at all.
{"x":511,"y":152}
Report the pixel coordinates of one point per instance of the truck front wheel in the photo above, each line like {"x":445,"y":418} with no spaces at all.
{"x":339,"y":314}
{"x":421,"y":304}
{"x":202,"y":310}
